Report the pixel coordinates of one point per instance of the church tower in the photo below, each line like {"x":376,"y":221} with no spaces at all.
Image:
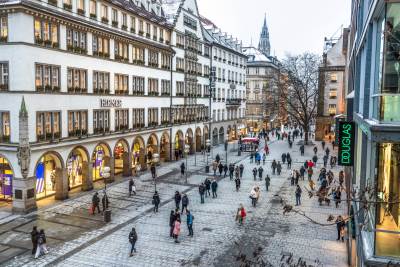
{"x":264,"y":45}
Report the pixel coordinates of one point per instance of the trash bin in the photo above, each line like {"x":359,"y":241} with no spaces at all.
{"x":239,"y":153}
{"x":207,"y":169}
{"x":107,"y":215}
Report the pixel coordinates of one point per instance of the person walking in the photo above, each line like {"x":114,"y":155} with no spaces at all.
{"x":231,"y":170}
{"x":215,"y":167}
{"x":201,"y":192}
{"x":302,"y":150}
{"x":172,"y":218}
{"x":255,"y":173}
{"x":315,"y":159}
{"x":153,"y":170}
{"x":323,"y":145}
{"x":325,"y":158}
{"x":214,"y":186}
{"x":264,"y":158}
{"x":340,"y":224}
{"x":237,"y":184}
{"x":327,"y":151}
{"x":302,"y":172}
{"x":253,"y":196}
{"x":225,"y":169}
{"x":95,"y":203}
{"x":34,"y":239}
{"x":183,"y":168}
{"x":189,"y":222}
{"x":241,"y":214}
{"x":310,"y":173}
{"x":251,"y":157}
{"x":298,"y":195}
{"x":273,"y":166}
{"x":220,"y":168}
{"x":341,"y":178}
{"x":207,"y":184}
{"x":185,"y":202}
{"x":267,"y":182}
{"x":289,"y":163}
{"x":279,"y":168}
{"x":177,"y":229}
{"x":104,"y":201}
{"x":283,"y":158}
{"x":41,"y":244}
{"x":217,"y":158}
{"x":237,"y":172}
{"x":156,"y":201}
{"x":132,"y":239}
{"x":333,"y":145}
{"x":177,"y":199}
{"x":241,"y":168}
{"x":132,"y":187}
{"x":260,"y":173}
{"x":315,"y":150}
{"x":337,"y":195}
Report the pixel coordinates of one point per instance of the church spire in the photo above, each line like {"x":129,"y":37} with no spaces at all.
{"x":264,"y":45}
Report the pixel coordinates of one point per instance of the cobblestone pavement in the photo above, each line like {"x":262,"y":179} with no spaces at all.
{"x":215,"y":230}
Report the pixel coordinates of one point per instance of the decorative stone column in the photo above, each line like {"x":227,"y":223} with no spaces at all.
{"x":127,"y":165}
{"x":24,"y":187}
{"x":142,"y":160}
{"x":61,"y":184}
{"x":87,"y":176}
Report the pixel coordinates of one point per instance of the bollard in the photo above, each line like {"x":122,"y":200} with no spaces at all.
{"x":207,"y":169}
{"x":239,"y":153}
{"x":107,"y":215}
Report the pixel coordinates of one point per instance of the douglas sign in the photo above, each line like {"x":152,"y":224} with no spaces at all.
{"x":346,"y":143}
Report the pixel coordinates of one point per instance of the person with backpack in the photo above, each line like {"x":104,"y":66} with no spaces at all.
{"x":95,"y":203}
{"x":132,"y":187}
{"x":177,"y":199}
{"x":298,"y":195}
{"x":34,"y":239}
{"x":255,"y":173}
{"x":189,"y":222}
{"x":156,"y":201}
{"x":132,"y":239}
{"x":279,"y":168}
{"x":214,"y":186}
{"x":41,"y":244}
{"x":185,"y":202}
{"x":207,"y":184}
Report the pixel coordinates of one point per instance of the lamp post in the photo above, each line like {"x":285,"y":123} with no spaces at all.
{"x":105,"y":173}
{"x":154,"y":162}
{"x":187,"y":148}
{"x":226,"y":148}
{"x":208,"y":143}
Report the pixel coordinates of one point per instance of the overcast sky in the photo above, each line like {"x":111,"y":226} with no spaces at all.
{"x":294,"y":26}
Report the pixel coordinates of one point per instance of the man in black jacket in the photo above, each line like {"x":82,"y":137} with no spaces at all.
{"x":177,"y":198}
{"x":214,"y":186}
{"x":156,"y":201}
{"x":34,"y":239}
{"x":95,"y":203}
{"x":132,"y":239}
{"x":185,"y":202}
{"x":202,"y":190}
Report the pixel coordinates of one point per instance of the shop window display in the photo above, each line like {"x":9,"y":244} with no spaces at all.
{"x":45,"y":177}
{"x":387,"y":236}
{"x":98,"y":162}
{"x":74,"y":168}
{"x":119,"y":158}
{"x":6,"y":177}
{"x":136,"y":156}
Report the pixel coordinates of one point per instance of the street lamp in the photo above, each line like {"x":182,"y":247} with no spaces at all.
{"x":154,"y":161}
{"x":105,"y":173}
{"x":187,"y":149}
{"x":226,"y":148}
{"x":208,"y":144}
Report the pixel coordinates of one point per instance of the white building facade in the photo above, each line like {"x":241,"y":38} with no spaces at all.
{"x":90,"y":84}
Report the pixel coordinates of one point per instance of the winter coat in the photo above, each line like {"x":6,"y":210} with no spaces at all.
{"x":34,"y":236}
{"x":185,"y":200}
{"x":201,"y":189}
{"x":253,"y":193}
{"x":214,"y":186}
{"x":132,"y":237}
{"x":207,"y":183}
{"x":156,"y":199}
{"x":237,"y":182}
{"x":96,"y":200}
{"x":172,"y":218}
{"x":189,"y":219}
{"x":177,"y":228}
{"x":178,"y":197}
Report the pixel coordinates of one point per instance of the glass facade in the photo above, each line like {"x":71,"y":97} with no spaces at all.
{"x":387,"y":219}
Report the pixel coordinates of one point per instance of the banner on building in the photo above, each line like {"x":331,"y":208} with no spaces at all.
{"x":346,"y":143}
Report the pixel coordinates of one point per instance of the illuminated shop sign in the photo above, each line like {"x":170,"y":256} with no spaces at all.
{"x":110,"y":103}
{"x":346,"y":143}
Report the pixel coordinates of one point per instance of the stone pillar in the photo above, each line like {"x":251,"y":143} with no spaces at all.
{"x":127,"y":165}
{"x":142,"y":159}
{"x":61,"y":184}
{"x":24,"y":200}
{"x":87,"y":176}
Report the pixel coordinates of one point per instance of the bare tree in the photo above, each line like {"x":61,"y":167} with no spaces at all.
{"x":298,"y":87}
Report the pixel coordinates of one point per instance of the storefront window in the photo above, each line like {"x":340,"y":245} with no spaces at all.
{"x":387,"y":236}
{"x":6,"y":176}
{"x":98,"y":162}
{"x":119,"y":159}
{"x":74,"y":168}
{"x":390,"y":88}
{"x":136,"y":156}
{"x":45,"y":177}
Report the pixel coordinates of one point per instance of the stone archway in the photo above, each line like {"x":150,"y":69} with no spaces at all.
{"x":6,"y":179}
{"x":189,"y":140}
{"x":121,"y":158}
{"x":221,"y":135}
{"x":138,"y":155}
{"x":152,"y":147}
{"x":215,"y":137}
{"x":101,"y":157}
{"x":51,"y":177}
{"x":199,"y":140}
{"x":179,"y":145}
{"x":78,"y":169}
{"x":165,"y":147}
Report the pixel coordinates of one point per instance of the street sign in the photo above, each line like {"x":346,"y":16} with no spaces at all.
{"x":346,"y":143}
